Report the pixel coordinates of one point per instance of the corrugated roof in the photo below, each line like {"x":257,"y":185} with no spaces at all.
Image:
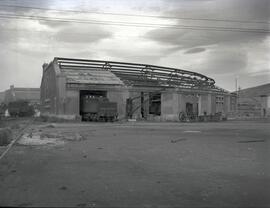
{"x":91,"y":76}
{"x":132,"y":74}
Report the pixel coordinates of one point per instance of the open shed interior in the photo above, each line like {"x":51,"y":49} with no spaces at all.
{"x":90,"y":101}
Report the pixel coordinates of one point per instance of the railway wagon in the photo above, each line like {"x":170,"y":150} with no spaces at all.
{"x":20,"y":108}
{"x":98,"y":109}
{"x":3,"y":109}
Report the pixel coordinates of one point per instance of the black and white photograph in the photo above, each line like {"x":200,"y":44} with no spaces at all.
{"x":135,"y":103}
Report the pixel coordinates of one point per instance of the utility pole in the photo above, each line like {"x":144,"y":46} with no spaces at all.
{"x":236,"y":88}
{"x":237,"y":95}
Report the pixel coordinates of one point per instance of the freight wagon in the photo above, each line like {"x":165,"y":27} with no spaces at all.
{"x":98,"y":109}
{"x":20,"y":108}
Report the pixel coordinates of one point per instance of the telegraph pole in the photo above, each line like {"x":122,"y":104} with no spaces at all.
{"x":236,"y":91}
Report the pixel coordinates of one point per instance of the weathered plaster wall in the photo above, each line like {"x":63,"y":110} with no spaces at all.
{"x":170,"y":106}
{"x":203,"y":104}
{"x":190,"y":98}
{"x":227,"y":107}
{"x":71,"y":104}
{"x":265,"y":110}
{"x":268,"y":106}
{"x":119,"y":96}
{"x":173,"y":102}
{"x":48,"y":90}
{"x":61,"y":94}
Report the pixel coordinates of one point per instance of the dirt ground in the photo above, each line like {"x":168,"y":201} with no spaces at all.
{"x":139,"y":164}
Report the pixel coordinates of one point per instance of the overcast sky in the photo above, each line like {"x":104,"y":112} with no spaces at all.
{"x":223,"y":55}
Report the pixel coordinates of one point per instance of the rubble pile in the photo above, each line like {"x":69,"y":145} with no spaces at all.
{"x":48,"y":138}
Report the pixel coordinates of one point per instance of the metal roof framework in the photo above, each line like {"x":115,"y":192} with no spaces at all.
{"x":144,"y":75}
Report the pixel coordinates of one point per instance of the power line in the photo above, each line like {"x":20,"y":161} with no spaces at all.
{"x":137,"y":15}
{"x":68,"y":33}
{"x":136,"y":24}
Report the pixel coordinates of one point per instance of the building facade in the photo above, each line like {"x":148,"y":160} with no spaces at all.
{"x":2,"y":97}
{"x":254,"y":102}
{"x":18,"y":93}
{"x":140,"y":91}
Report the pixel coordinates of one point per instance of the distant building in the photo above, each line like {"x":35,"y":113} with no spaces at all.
{"x":254,"y":101}
{"x":147,"y":91}
{"x":15,"y":93}
{"x":2,"y":97}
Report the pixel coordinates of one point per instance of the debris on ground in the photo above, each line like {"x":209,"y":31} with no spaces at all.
{"x":250,"y":141}
{"x":178,"y":140}
{"x":16,"y":126}
{"x":81,"y":205}
{"x":5,"y":136}
{"x":192,"y":131}
{"x":49,"y":126}
{"x":37,"y":139}
{"x":50,"y":135}
{"x":74,"y":137}
{"x":63,"y":188}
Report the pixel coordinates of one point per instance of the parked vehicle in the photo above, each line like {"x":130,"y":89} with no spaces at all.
{"x":20,"y":108}
{"x":3,"y":109}
{"x":98,"y":109}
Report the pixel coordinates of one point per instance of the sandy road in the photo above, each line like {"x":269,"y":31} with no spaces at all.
{"x":142,"y":165}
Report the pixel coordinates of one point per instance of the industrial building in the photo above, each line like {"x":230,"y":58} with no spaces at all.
{"x":254,"y":102}
{"x":32,"y":95}
{"x":141,"y":91}
{"x":2,"y":97}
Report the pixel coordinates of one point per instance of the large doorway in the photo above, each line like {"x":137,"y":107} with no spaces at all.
{"x":189,"y":108}
{"x":89,"y":103}
{"x":155,"y":104}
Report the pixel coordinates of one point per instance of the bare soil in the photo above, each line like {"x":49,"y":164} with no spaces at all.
{"x":140,"y":164}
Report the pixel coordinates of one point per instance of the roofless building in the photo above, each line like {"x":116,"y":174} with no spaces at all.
{"x":140,"y":90}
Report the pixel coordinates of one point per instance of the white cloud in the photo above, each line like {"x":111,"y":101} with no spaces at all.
{"x":26,"y":44}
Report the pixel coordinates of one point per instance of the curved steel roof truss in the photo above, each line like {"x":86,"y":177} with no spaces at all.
{"x":143,"y":74}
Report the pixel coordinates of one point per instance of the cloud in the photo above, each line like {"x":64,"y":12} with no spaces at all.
{"x":76,"y":33}
{"x":246,"y":10}
{"x":26,"y":44}
{"x":264,"y":72}
{"x":186,"y":39}
{"x":225,"y":60}
{"x":217,"y":53}
{"x":195,"y":50}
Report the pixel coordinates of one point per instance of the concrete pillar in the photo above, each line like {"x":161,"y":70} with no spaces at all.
{"x":170,"y":106}
{"x":119,"y":96}
{"x":204,"y":106}
{"x":61,"y":94}
{"x":200,"y":112}
{"x":55,"y":105}
{"x":264,"y":106}
{"x":181,"y":103}
{"x":268,"y":106}
{"x":146,"y":104}
{"x":209,"y":104}
{"x":226,"y":104}
{"x":71,"y":104}
{"x":213,"y":104}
